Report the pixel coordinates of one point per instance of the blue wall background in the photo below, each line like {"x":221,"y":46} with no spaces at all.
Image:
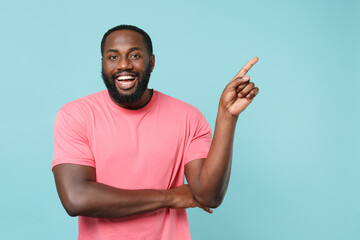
{"x":296,"y":154}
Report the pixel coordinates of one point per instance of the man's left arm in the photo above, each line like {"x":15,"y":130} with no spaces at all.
{"x":209,"y":178}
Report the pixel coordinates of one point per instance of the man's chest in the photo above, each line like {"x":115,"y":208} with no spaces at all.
{"x":135,"y":153}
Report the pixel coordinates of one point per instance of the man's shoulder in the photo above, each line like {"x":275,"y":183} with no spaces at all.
{"x":84,"y":104}
{"x":175,"y":103}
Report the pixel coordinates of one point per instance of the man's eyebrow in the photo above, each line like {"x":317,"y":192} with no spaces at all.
{"x":130,"y":49}
{"x":135,"y":48}
{"x":112,"y":50}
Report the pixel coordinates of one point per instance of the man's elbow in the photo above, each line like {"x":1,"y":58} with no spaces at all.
{"x":73,"y":205}
{"x":210,"y":202}
{"x":72,"y":211}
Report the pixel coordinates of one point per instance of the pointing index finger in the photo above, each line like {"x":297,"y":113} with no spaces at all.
{"x":246,"y":67}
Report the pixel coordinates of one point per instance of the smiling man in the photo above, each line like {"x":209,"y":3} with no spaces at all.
{"x":127,"y":83}
{"x":121,"y":155}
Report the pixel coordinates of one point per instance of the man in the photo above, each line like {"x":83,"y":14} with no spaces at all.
{"x":120,"y":155}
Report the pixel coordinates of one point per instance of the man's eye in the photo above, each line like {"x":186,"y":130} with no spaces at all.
{"x":134,"y":56}
{"x":112,"y":57}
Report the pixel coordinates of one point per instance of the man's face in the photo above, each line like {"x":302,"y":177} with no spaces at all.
{"x":126,"y":66}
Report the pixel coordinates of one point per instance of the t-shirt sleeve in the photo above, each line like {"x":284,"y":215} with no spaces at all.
{"x":200,"y":139}
{"x":71,"y":143}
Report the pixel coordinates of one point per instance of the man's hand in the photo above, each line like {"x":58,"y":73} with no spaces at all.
{"x":240,"y":92}
{"x":183,"y":198}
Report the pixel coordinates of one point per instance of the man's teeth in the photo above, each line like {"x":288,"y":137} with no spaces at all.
{"x":122,"y":78}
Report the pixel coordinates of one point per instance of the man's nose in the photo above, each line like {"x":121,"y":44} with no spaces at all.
{"x":124,"y":64}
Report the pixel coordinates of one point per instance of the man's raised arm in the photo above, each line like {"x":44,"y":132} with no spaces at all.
{"x":81,"y":195}
{"x":209,"y":178}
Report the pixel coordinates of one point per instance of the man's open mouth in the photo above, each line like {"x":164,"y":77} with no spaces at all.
{"x":125,"y":82}
{"x":126,"y":78}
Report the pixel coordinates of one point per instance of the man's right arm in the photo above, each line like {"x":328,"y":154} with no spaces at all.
{"x":81,"y":195}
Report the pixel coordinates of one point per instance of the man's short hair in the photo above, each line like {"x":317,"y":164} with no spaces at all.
{"x":146,"y":37}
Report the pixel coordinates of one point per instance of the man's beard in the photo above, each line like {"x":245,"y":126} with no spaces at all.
{"x":127,"y":98}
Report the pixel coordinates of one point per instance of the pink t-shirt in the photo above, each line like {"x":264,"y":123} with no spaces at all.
{"x":132,"y":149}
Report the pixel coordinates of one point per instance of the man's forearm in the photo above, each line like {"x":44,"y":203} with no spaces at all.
{"x":103,"y":201}
{"x":215,"y":172}
{"x":81,"y":195}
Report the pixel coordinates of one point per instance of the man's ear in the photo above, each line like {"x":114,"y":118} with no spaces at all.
{"x":152,"y":62}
